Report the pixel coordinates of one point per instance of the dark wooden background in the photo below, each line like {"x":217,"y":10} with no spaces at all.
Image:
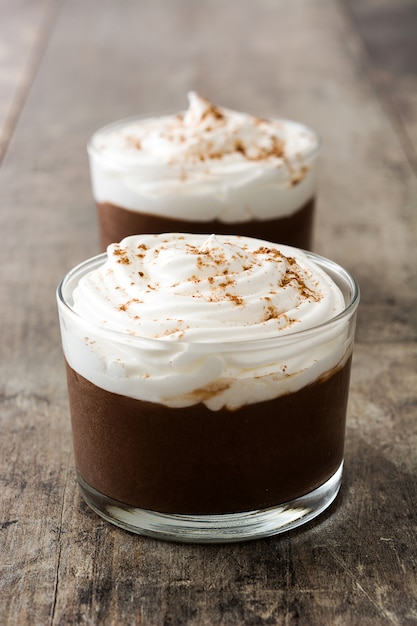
{"x":348,"y":68}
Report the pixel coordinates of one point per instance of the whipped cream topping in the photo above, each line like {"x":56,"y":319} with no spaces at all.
{"x":195,"y":288}
{"x":206,"y":163}
{"x":225,"y":320}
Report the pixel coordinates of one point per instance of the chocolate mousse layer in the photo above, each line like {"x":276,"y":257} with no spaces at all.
{"x":116,"y":223}
{"x":196,"y":461}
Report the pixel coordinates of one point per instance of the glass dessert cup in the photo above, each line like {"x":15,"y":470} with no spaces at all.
{"x":276,"y":205}
{"x":192,"y":474}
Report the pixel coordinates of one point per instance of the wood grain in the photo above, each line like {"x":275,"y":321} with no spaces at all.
{"x":24,"y":28}
{"x":389,"y":32}
{"x":61,"y":564}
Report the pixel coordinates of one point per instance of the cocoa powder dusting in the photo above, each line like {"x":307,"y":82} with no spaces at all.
{"x":214,"y":112}
{"x":122,"y":254}
{"x":126,"y":305}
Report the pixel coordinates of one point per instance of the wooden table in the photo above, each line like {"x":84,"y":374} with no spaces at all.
{"x":345,"y":68}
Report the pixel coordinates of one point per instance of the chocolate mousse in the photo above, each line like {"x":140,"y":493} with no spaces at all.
{"x":295,"y":229}
{"x":195,"y":461}
{"x":208,"y":379}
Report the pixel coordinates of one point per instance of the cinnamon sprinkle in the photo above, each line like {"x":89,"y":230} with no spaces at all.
{"x":123,"y":257}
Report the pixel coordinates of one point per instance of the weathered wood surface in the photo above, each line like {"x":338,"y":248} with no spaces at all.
{"x":97,"y":61}
{"x":23,"y":33}
{"x":389,"y":29}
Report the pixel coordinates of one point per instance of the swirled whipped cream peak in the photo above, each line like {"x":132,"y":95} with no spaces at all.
{"x":194,"y":288}
{"x":207,"y":132}
{"x":208,"y":162}
{"x":180,"y":319}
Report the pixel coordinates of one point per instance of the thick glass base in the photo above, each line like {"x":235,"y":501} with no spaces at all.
{"x":224,"y":528}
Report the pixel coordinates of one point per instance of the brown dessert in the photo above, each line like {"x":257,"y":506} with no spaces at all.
{"x":196,"y":461}
{"x":296,"y":230}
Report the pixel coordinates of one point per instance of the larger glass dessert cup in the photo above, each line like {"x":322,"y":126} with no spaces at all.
{"x":267,"y":197}
{"x":198,"y":475}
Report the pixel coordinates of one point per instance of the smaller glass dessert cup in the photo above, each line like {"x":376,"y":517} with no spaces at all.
{"x":205,"y":170}
{"x":265,"y":461}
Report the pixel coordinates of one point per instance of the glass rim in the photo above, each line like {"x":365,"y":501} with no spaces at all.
{"x":329,"y":266}
{"x":92,"y":150}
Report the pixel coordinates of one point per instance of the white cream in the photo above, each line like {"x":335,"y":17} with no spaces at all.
{"x":206,"y":163}
{"x":181,"y":319}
